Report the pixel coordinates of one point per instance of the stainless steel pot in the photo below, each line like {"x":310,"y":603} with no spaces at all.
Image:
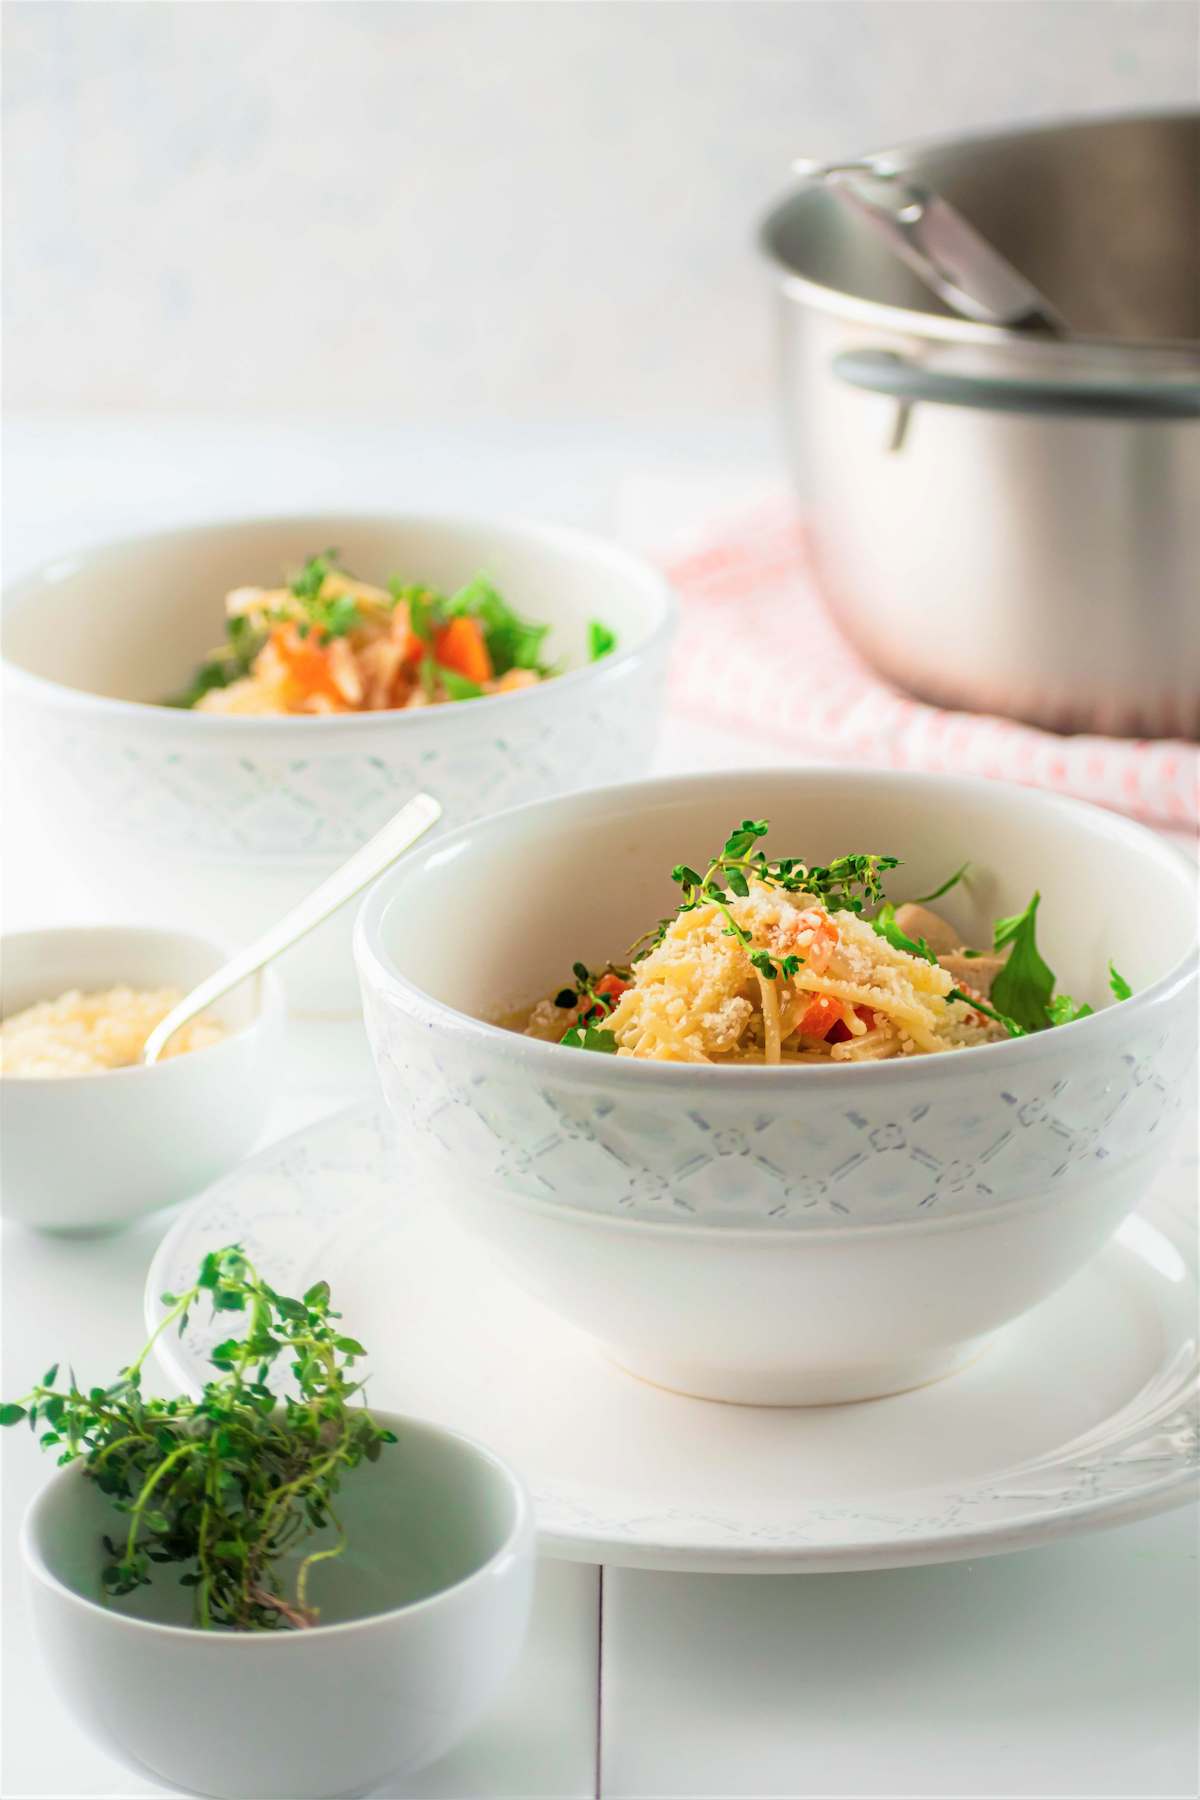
{"x":1000,"y":520}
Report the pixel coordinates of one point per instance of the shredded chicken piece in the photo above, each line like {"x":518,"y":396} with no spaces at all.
{"x":971,"y":969}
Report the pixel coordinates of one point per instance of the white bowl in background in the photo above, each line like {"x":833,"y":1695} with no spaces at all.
{"x":421,"y":1622}
{"x":87,"y":1152}
{"x":223,"y":822}
{"x":796,"y":1234}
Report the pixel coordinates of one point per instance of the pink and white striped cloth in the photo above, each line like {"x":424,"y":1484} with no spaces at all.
{"x":748,"y":600}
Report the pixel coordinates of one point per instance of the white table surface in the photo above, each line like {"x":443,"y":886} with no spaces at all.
{"x":1067,"y":1671}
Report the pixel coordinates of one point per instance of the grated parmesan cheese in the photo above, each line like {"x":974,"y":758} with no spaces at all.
{"x":85,"y":1034}
{"x":697,"y":997}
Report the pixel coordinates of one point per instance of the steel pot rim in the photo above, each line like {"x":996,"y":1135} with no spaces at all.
{"x":882,"y":315}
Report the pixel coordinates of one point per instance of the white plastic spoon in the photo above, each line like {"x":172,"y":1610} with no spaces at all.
{"x":356,"y":873}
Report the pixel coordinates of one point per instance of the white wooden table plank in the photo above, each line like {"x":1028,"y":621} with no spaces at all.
{"x":1068,"y":1671}
{"x":538,"y":1742}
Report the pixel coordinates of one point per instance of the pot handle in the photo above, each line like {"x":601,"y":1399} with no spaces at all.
{"x":886,"y":372}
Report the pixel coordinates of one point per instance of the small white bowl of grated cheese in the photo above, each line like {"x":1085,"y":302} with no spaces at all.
{"x":91,"y":1138}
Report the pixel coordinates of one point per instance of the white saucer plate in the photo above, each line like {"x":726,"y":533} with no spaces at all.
{"x":1083,"y":1414}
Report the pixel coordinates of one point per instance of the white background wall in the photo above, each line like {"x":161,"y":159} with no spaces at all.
{"x":459,"y":210}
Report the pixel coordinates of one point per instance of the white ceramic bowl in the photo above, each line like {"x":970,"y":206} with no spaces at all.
{"x":87,"y":1152}
{"x":222,"y":823}
{"x":801,"y":1234}
{"x":421,"y":1622}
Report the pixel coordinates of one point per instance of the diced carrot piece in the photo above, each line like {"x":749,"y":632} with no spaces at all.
{"x":307,"y":661}
{"x":610,"y":988}
{"x":460,"y":646}
{"x":820,"y":1016}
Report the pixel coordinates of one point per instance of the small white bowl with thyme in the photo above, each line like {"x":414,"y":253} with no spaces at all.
{"x":93,"y":1139}
{"x":259,"y":1590}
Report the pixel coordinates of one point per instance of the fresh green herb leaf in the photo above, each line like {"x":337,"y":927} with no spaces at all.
{"x":228,"y":1485}
{"x":211,"y":674}
{"x":426,"y":610}
{"x":308,"y":583}
{"x":1062,"y":1010}
{"x":950,"y":882}
{"x":989,"y":1012}
{"x":218,"y":672}
{"x":512,"y":642}
{"x":848,"y":884}
{"x":1119,"y":985}
{"x":245,"y":640}
{"x":339,"y":616}
{"x":770,"y":966}
{"x":884,"y":925}
{"x":739,"y":842}
{"x":596,"y":1005}
{"x":1023,"y":987}
{"x":601,"y":641}
{"x":457,"y":686}
{"x":590,"y":1037}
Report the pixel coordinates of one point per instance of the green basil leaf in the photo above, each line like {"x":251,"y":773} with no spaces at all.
{"x":1023,"y":988}
{"x":884,"y":925}
{"x":1062,"y":1010}
{"x":601,"y":641}
{"x":457,"y":686}
{"x":590,"y":1037}
{"x":512,"y":642}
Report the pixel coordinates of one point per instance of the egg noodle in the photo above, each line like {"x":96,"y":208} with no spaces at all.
{"x":698,"y":997}
{"x":774,"y":960}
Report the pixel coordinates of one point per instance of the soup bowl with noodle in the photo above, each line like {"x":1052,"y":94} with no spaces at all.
{"x":814,"y":1230}
{"x":185,"y":793}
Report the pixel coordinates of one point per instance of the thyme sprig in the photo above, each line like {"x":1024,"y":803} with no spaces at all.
{"x":848,"y":884}
{"x":232,"y":1483}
